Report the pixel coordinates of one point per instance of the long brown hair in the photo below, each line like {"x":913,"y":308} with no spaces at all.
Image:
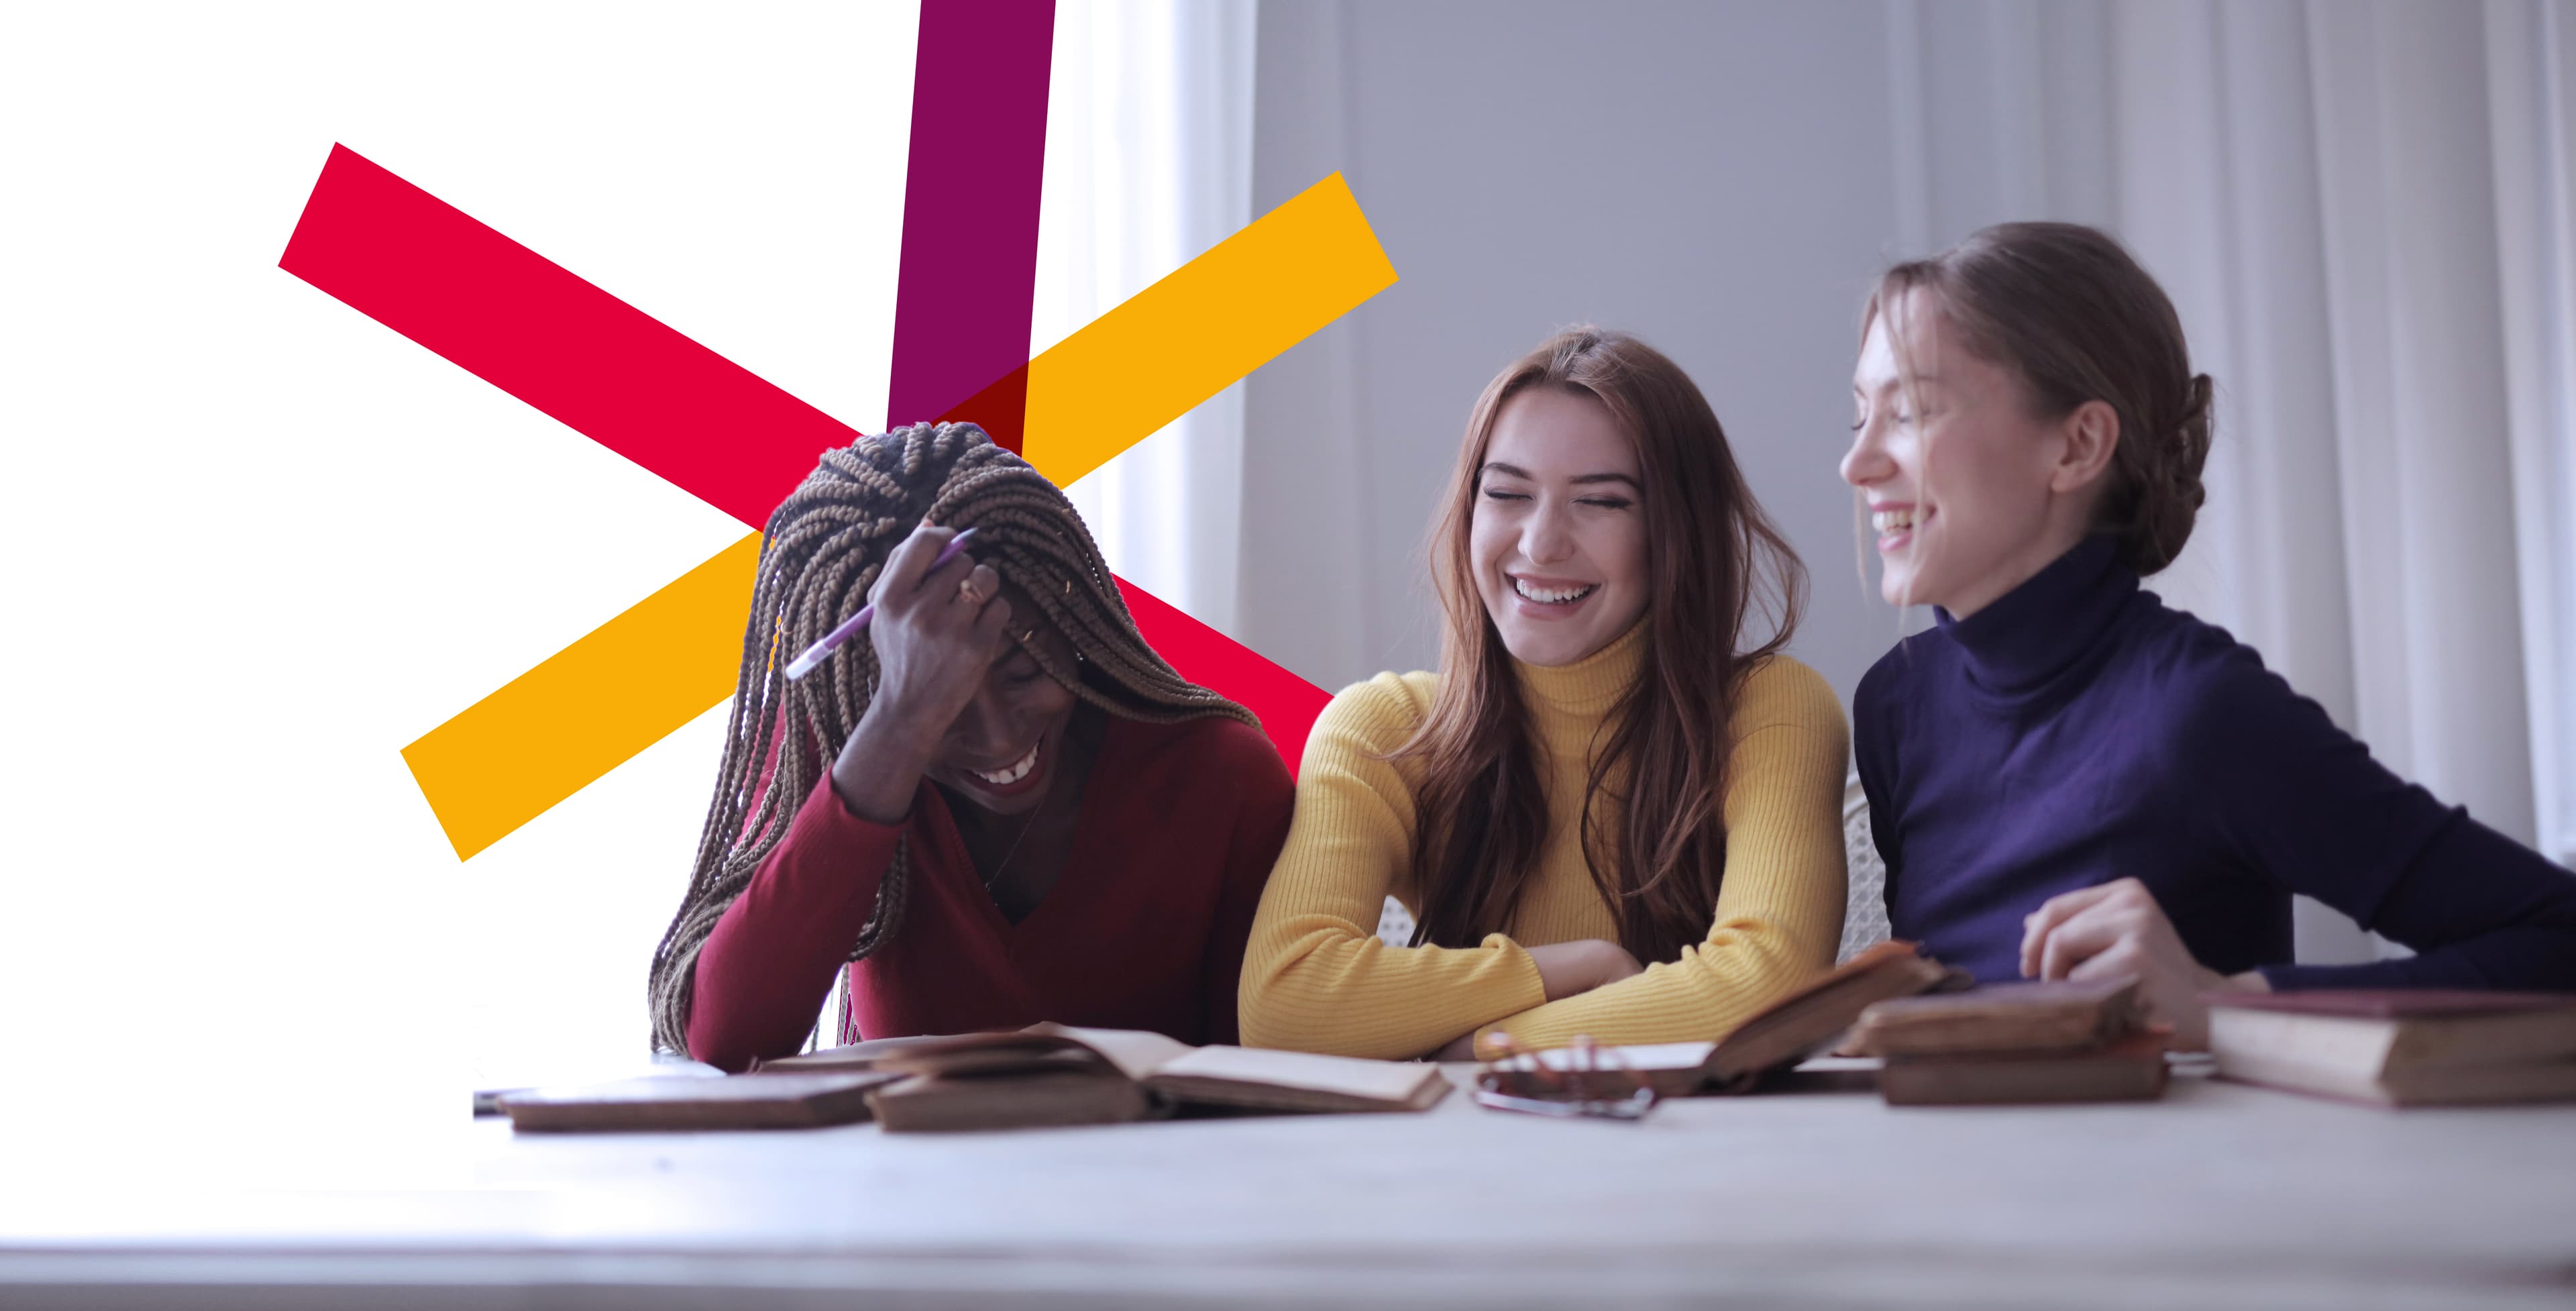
{"x":2068,"y":308}
{"x":1712,"y":558}
{"x":819,"y":556}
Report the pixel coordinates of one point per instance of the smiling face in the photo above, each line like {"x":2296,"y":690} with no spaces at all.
{"x":1001,"y":751}
{"x":1556,"y":538}
{"x":1966,"y":489}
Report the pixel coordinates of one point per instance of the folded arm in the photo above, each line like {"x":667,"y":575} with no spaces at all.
{"x":1779,"y":908}
{"x":1316,"y":977}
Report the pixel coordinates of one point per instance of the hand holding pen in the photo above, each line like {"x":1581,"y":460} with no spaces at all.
{"x":851,"y":627}
{"x":937,"y":620}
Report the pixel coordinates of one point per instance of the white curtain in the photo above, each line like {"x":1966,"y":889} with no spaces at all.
{"x":1149,"y":163}
{"x":2531,"y":84}
{"x":2361,"y":208}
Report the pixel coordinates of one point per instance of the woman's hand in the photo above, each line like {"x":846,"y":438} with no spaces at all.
{"x":1568,"y":968}
{"x":934,"y":645}
{"x":2115,"y":929}
{"x":1565,"y":969}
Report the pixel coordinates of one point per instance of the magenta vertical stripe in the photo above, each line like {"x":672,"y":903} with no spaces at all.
{"x":970,"y":203}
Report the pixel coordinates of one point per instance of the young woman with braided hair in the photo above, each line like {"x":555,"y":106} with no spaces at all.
{"x":1613,"y":811}
{"x":2066,"y":778}
{"x":995,"y":806}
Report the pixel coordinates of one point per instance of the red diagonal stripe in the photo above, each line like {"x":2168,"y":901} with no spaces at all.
{"x":530,"y":327}
{"x":1286,"y":704}
{"x":615,"y":374}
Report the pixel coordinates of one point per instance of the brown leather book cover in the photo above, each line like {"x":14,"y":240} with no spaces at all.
{"x":2056,"y":1015}
{"x":936,"y":1103}
{"x":1810,"y":1019}
{"x":769,"y":1101}
{"x":845,"y":1059}
{"x":2131,"y":1069}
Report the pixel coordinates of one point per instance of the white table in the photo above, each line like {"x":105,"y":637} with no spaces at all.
{"x":2221,"y":1195}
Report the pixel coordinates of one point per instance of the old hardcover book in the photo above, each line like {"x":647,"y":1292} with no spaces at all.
{"x":2128,"y":1069}
{"x":1780,"y":1035}
{"x":2060,"y":1015}
{"x":1050,"y":1074}
{"x":1809,"y":1020}
{"x":930,"y":1103}
{"x":2399,"y":1047}
{"x":783,"y":1101}
{"x":852,"y":1057}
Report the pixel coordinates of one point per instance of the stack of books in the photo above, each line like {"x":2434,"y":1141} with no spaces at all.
{"x":2400,"y":1048}
{"x":2015,"y":1042}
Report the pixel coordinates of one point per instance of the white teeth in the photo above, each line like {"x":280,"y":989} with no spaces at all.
{"x":1552,"y":596}
{"x":1891,"y":521}
{"x":1014,"y":772}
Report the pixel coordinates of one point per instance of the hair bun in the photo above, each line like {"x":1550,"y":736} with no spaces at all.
{"x":2172,"y":498}
{"x":2194,"y":433}
{"x":2197,"y":407}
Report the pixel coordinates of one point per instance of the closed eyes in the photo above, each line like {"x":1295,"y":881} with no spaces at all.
{"x":1597,"y":502}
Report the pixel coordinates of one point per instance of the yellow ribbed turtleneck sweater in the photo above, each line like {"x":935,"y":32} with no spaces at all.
{"x":1316,"y":977}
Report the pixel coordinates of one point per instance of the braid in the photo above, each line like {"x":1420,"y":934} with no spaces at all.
{"x":819,"y":556}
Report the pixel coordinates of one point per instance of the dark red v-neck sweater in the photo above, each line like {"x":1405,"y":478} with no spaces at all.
{"x":1179,"y":827}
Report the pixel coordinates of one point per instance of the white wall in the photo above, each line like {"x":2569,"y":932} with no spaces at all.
{"x":1714,"y":177}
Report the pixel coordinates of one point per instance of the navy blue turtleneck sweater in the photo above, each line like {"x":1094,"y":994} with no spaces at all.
{"x":2077,"y":731}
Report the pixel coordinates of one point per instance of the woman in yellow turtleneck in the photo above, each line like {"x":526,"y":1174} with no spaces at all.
{"x":1607,"y":815}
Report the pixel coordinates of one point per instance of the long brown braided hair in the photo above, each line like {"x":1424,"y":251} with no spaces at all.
{"x":820,"y":554}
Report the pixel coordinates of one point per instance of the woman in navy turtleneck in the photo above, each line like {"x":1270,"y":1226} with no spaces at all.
{"x":2067,"y":778}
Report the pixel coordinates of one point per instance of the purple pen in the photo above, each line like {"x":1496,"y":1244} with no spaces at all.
{"x":815,"y":654}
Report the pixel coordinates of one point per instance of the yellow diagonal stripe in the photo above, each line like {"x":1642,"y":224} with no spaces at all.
{"x":1195,"y":333}
{"x":591,"y":706}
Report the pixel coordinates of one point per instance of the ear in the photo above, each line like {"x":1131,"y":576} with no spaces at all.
{"x":2091,"y":435}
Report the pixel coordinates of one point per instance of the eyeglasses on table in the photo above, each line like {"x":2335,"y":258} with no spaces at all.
{"x":1593,"y":1081}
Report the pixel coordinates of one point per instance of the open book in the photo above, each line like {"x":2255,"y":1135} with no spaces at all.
{"x":1780,"y":1035}
{"x":1051,"y":1074}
